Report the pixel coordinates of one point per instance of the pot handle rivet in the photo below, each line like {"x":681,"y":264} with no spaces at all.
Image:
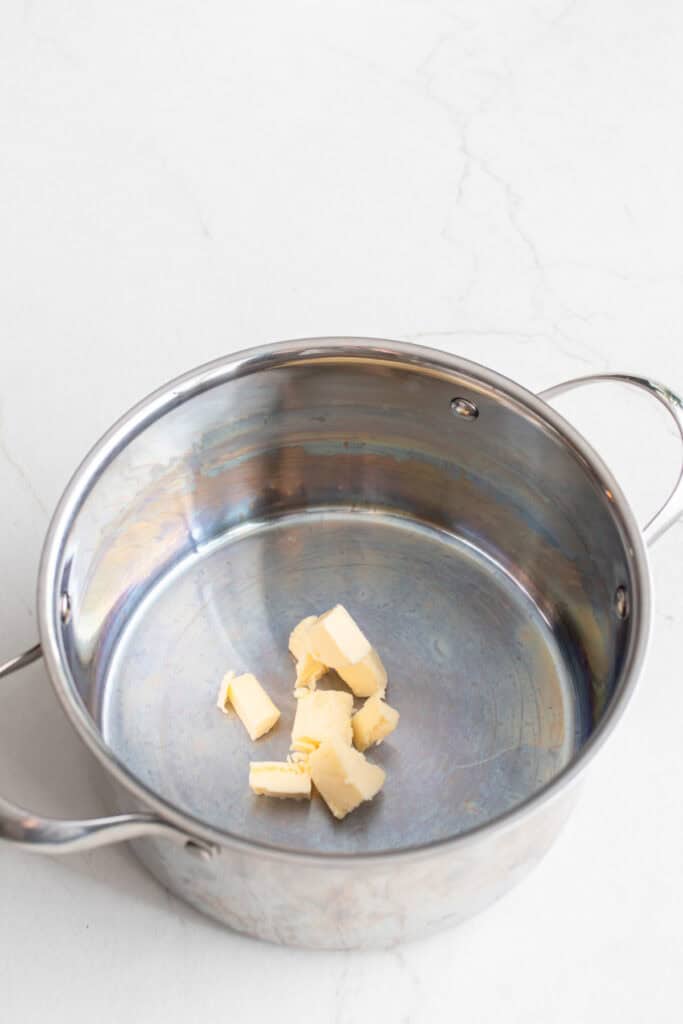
{"x":200,"y":852}
{"x":464,"y":408}
{"x":621,"y":602}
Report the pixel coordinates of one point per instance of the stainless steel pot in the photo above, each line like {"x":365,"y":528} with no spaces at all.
{"x":484,"y":547}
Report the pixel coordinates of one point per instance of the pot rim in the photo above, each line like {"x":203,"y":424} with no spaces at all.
{"x":252,"y":360}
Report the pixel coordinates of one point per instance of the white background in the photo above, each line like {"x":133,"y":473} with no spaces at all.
{"x":179,"y":180}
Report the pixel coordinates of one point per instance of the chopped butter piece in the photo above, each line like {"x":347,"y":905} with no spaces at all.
{"x":296,"y":757}
{"x":223,"y":701}
{"x":308,"y":668}
{"x":336,"y":640}
{"x":368,"y":676}
{"x":343,"y":777}
{"x":298,"y":638}
{"x":308,"y":671}
{"x":280,"y":779}
{"x":252,"y":703}
{"x":373,"y":722}
{"x":322,"y":715}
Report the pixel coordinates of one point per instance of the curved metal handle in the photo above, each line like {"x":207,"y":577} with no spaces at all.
{"x":52,"y":835}
{"x":672,"y":508}
{"x":27,"y":658}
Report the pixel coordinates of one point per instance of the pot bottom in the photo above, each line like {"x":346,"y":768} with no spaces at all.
{"x":489,"y":707}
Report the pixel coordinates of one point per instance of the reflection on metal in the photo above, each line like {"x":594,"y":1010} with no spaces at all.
{"x":621,"y":602}
{"x":671,"y":510}
{"x":464,"y":408}
{"x":483,"y":563}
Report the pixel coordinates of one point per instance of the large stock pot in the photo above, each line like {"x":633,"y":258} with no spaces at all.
{"x":481,"y":543}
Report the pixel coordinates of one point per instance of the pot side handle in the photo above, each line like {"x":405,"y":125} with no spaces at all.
{"x":672,"y":508}
{"x":51,"y":835}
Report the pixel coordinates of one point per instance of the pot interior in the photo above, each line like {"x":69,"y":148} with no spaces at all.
{"x":480,"y":553}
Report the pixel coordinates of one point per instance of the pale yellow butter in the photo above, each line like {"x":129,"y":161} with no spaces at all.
{"x":308,"y":668}
{"x":343,"y":777}
{"x":322,"y":715}
{"x":337,"y":641}
{"x":373,"y":722}
{"x":367,"y":677}
{"x":309,"y":671}
{"x":298,"y":638}
{"x":282,"y":779}
{"x":251,"y":702}
{"x":223,"y":701}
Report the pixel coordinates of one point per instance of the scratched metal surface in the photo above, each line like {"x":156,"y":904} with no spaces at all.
{"x":488,"y":705}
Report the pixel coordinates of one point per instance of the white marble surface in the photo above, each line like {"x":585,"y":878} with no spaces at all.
{"x":180,"y":180}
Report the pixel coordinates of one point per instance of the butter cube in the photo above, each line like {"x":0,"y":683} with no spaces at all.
{"x":367,"y":676}
{"x":308,"y":669}
{"x":373,"y":722}
{"x":280,"y":779}
{"x":343,"y":777}
{"x":298,"y":638}
{"x":336,"y":640}
{"x":322,"y":715}
{"x":250,"y":701}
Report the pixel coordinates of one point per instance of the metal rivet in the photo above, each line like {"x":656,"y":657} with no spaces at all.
{"x":198,"y":851}
{"x":621,"y":602}
{"x":65,"y":608}
{"x":465,"y":408}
